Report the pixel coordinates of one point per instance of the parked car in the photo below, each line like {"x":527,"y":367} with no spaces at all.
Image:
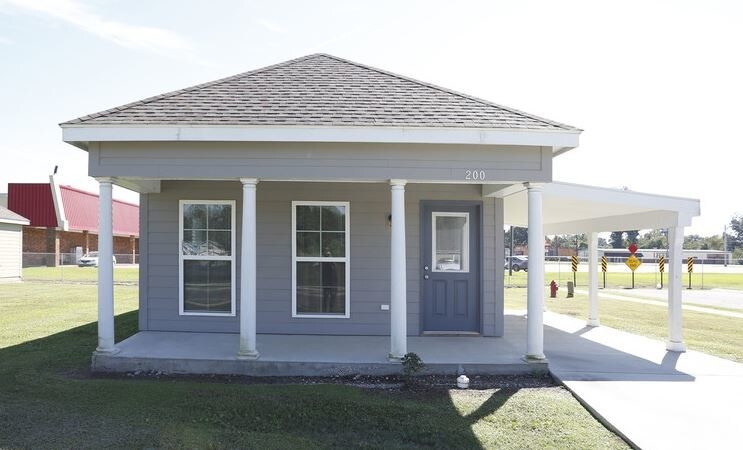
{"x":91,"y":260}
{"x":517,"y":263}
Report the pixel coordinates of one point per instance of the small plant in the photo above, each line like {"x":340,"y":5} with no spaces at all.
{"x":411,"y":364}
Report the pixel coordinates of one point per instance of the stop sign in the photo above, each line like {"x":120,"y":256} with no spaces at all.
{"x":632,"y":248}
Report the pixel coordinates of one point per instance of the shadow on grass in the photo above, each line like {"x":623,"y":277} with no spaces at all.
{"x":44,"y":402}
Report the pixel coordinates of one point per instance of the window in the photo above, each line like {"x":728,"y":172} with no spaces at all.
{"x":207,"y":257}
{"x":450,"y":242}
{"x":320,"y":259}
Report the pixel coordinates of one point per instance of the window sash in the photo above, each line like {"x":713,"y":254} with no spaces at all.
{"x":344,"y":259}
{"x":183,"y":257}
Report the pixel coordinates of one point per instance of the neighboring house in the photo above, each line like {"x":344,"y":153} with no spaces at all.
{"x":11,"y":238}
{"x":320,"y":211}
{"x":64,"y":219}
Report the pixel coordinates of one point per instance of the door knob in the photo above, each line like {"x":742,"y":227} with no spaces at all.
{"x":425,"y":277}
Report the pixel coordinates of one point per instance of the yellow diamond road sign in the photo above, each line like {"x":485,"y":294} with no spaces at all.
{"x":632,"y":262}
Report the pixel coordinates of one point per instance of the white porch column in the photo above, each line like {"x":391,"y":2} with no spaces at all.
{"x":675,"y":323}
{"x":398,"y":274}
{"x":248,"y":348}
{"x":105,"y":268}
{"x":593,"y":279}
{"x":535,"y":277}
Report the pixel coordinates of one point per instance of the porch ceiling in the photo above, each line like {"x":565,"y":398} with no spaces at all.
{"x":574,"y":208}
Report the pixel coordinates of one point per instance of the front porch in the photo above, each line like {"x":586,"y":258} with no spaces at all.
{"x":319,"y":355}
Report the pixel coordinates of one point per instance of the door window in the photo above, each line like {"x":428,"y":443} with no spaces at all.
{"x":450,"y":241}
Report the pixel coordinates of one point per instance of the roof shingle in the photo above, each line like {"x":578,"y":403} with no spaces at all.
{"x":319,"y":90}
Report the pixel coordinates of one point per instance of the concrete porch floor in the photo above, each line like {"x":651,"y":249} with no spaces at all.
{"x":311,"y":355}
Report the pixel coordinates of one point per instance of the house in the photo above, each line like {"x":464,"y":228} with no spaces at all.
{"x":64,"y":223}
{"x":322,"y":216}
{"x":11,"y":236}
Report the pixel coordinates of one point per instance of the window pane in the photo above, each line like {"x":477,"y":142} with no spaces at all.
{"x":194,"y":216}
{"x":207,"y":286}
{"x":450,"y":243}
{"x":194,"y":242}
{"x":308,"y":217}
{"x":333,"y":218}
{"x":308,"y":243}
{"x":334,"y":244}
{"x":220,"y":217}
{"x":321,"y":288}
{"x":220,"y":243}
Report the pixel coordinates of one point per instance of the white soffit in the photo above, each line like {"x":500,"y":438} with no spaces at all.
{"x":574,"y":208}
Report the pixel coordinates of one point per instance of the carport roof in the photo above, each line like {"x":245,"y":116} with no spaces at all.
{"x":575,"y":208}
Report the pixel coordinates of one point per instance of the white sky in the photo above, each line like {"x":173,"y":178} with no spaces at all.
{"x":656,"y":85}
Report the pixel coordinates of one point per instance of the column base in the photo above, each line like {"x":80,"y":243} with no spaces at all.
{"x":672,"y":346}
{"x":393,"y":358}
{"x":593,"y":323}
{"x":248,"y":355}
{"x":106,"y":351}
{"x":535,"y":358}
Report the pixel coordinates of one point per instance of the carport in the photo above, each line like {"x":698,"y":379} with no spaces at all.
{"x":573,"y":208}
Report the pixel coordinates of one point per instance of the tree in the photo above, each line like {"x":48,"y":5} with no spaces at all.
{"x":735,"y":232}
{"x":520,"y":237}
{"x":653,"y":239}
{"x":632,"y":236}
{"x":616,"y":240}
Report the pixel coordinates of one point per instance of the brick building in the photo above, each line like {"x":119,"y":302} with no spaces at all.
{"x":64,"y":218}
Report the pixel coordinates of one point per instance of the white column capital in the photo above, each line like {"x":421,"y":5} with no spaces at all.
{"x":534,"y":186}
{"x":104,"y":180}
{"x":249,"y":181}
{"x":398,"y":184}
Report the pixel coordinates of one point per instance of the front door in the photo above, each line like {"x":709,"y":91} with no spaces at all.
{"x":450,"y":266}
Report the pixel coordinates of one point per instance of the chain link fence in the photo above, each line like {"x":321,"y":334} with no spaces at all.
{"x":77,"y":267}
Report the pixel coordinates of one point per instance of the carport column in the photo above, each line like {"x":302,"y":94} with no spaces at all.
{"x":593,"y":279}
{"x":248,"y":349}
{"x":398,"y":274}
{"x":675,"y":324}
{"x":535,"y":277}
{"x":105,"y":268}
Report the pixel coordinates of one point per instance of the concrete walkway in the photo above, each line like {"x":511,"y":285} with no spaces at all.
{"x":654,"y":398}
{"x":634,"y":299}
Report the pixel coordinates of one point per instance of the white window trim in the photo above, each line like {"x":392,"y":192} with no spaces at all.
{"x":465,"y":257}
{"x":182,"y":257}
{"x":346,"y":259}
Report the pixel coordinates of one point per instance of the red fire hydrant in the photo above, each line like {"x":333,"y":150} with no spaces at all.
{"x":553,"y":289}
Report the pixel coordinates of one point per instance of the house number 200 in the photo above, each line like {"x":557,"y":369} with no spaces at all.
{"x":474,"y":174}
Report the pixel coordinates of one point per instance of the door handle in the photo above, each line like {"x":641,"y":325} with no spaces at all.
{"x":425,"y":277}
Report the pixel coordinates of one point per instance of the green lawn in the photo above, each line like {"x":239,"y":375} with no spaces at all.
{"x":49,"y":399}
{"x":716,"y":335}
{"x":624,"y":279}
{"x":122,"y":274}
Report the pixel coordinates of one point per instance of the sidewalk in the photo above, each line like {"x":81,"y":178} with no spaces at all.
{"x":635,"y":299}
{"x":655,"y":399}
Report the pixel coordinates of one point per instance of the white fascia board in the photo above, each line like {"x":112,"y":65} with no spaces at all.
{"x":15,"y":222}
{"x":62,"y":223}
{"x":631,"y":221}
{"x":556,"y":139}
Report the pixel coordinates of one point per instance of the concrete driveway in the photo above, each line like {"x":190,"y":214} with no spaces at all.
{"x":655,"y":399}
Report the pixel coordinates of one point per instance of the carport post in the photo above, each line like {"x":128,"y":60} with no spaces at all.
{"x":675,"y":324}
{"x":105,"y":268}
{"x":535,"y":276}
{"x":593,"y":279}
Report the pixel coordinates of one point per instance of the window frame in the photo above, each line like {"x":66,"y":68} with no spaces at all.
{"x":465,"y":256}
{"x":345,"y":259}
{"x":232,"y":258}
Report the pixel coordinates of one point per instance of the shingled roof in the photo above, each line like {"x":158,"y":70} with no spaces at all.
{"x":319,"y":90}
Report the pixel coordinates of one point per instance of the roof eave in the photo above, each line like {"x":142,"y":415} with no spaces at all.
{"x":561,"y":140}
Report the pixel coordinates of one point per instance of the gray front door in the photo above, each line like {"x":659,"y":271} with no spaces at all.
{"x":450,"y":266}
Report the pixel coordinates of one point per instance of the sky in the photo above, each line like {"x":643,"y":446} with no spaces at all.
{"x":655,"y":85}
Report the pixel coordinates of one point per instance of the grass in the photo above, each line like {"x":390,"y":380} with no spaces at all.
{"x":122,"y":274}
{"x":48,"y":398}
{"x":716,"y":335}
{"x":642,"y":279}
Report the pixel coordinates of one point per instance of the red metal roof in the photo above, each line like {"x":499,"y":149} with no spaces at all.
{"x":35,"y":202}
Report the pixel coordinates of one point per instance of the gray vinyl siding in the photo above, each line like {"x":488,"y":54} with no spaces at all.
{"x":11,"y":239}
{"x":369,"y":253}
{"x":318,"y":161}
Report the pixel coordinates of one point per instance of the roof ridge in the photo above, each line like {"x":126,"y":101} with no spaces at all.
{"x":190,"y":88}
{"x":451,"y":91}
